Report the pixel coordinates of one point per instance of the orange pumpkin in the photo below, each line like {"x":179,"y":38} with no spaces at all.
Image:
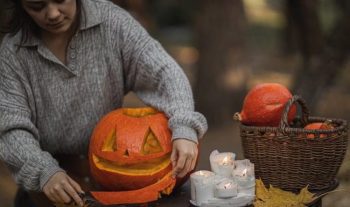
{"x":316,"y":126}
{"x":264,"y":105}
{"x":130,"y":149}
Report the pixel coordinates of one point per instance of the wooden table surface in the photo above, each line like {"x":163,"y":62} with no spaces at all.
{"x":182,"y":196}
{"x":179,"y":198}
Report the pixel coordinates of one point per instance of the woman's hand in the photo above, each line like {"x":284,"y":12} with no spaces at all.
{"x":62,"y":189}
{"x":183,"y":157}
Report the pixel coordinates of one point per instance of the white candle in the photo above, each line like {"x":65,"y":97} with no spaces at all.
{"x":244,"y":180}
{"x":202,"y":186}
{"x":244,"y":176}
{"x":222,"y":163}
{"x":226,"y":188}
{"x":243,"y":168}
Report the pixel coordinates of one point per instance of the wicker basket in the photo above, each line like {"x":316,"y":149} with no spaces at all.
{"x":286,"y":158}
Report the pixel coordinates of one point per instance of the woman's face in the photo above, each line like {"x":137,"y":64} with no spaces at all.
{"x":53,"y":16}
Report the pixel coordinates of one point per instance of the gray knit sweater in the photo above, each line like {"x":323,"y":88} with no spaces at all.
{"x":47,"y":107}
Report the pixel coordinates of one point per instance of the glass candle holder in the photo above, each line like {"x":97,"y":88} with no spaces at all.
{"x":202,"y":186}
{"x":222,"y":163}
{"x":226,"y":188}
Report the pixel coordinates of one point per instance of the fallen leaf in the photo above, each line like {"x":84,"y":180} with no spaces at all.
{"x":276,"y":197}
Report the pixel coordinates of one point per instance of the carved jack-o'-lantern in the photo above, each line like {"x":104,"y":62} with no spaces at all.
{"x":130,"y":149}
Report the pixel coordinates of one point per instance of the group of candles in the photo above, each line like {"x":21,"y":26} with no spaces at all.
{"x":229,"y":179}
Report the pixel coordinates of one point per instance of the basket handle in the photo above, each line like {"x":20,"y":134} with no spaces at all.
{"x":305,"y":112}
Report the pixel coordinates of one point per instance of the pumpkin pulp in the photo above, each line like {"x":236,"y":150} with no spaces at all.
{"x":145,"y":168}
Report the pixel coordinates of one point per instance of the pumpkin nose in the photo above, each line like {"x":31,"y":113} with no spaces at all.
{"x":126,"y":153}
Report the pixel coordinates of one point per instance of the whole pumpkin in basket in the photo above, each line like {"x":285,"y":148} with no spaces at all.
{"x":264,"y":105}
{"x":318,"y":125}
{"x":130,"y":153}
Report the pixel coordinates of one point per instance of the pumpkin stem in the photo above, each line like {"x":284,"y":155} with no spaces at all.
{"x":237,"y":116}
{"x":139,"y":112}
{"x":328,"y":122}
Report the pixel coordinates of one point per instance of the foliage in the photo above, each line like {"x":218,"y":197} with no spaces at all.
{"x":275,"y":197}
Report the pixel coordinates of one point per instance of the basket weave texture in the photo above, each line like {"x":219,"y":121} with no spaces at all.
{"x":284,"y":157}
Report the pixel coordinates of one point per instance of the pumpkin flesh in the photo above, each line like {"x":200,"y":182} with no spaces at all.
{"x":144,"y":195}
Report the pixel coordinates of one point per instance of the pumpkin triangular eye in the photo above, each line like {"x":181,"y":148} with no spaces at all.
{"x":109,"y":144}
{"x":151,"y":144}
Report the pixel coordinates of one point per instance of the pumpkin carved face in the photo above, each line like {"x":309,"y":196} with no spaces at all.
{"x":130,"y":149}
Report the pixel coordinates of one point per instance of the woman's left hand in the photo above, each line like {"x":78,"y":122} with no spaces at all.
{"x":183,"y":157}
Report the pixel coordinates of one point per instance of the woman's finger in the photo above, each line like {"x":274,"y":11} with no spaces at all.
{"x":180,"y":164}
{"x":186,"y":168}
{"x":61,"y":192}
{"x":75,"y":185}
{"x":55,"y":192}
{"x":173,"y":158}
{"x":73,"y":193}
{"x":194,"y":161}
{"x":52,"y":196}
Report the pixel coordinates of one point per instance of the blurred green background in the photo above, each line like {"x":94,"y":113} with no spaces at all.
{"x":225,"y":47}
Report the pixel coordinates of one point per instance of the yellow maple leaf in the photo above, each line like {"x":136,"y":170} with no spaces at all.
{"x":261,"y":191}
{"x":305,"y":196}
{"x":276,"y":197}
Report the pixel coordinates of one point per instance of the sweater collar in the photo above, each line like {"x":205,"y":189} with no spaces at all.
{"x":90,"y":16}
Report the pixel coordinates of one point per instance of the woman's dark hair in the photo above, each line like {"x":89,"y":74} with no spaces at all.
{"x":16,"y":19}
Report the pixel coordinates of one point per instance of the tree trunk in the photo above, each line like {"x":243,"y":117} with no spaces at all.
{"x":221,"y":74}
{"x":320,"y":72}
{"x":139,"y":10}
{"x":303,"y":26}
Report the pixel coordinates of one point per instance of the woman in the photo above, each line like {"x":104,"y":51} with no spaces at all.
{"x":65,"y":64}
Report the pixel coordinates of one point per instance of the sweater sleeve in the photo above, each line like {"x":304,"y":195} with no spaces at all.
{"x":19,"y":138}
{"x":159,"y":81}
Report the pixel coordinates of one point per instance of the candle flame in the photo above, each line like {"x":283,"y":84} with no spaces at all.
{"x":244,"y":172}
{"x":201,"y":173}
{"x":225,"y":161}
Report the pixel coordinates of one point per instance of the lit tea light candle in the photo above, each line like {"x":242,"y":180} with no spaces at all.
{"x":202,"y":186}
{"x":222,"y":163}
{"x":226,"y":188}
{"x":244,"y":175}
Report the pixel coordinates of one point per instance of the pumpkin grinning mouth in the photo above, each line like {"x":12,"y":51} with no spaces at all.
{"x":144,"y":168}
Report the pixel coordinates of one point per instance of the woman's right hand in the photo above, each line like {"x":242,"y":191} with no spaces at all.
{"x":60,"y":188}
